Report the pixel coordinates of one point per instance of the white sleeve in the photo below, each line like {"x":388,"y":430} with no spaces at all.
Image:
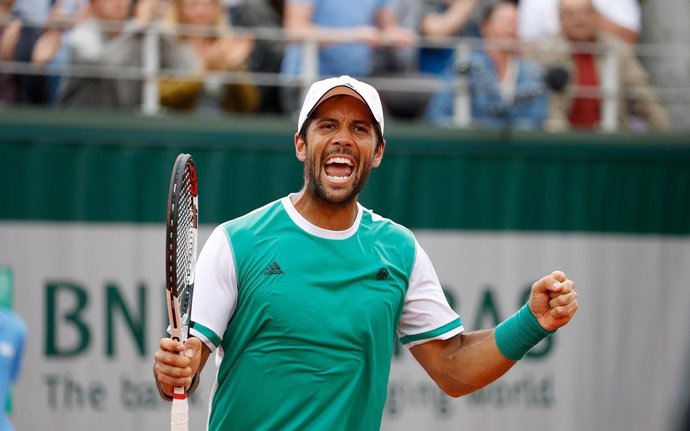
{"x":538,"y":18}
{"x":85,"y":43}
{"x":626,"y":13}
{"x":215,"y":289}
{"x":426,"y":314}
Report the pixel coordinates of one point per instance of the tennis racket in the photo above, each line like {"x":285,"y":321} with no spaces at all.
{"x":180,"y":260}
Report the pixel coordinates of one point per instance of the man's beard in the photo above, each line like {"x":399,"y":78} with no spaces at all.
{"x":320,"y":193}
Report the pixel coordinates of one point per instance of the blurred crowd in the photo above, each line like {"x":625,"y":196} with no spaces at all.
{"x":531,"y":64}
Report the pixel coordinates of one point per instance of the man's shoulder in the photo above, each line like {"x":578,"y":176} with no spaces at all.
{"x":251,"y":218}
{"x":610,"y":40}
{"x":550,"y":49}
{"x":375,"y":222}
{"x":389,"y":239}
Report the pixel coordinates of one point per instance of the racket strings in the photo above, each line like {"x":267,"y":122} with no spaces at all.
{"x":184,"y":244}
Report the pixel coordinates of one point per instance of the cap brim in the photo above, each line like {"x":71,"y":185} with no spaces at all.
{"x":340,"y":90}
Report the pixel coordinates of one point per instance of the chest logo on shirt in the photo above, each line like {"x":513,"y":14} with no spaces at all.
{"x":382,"y":274}
{"x":273,"y":269}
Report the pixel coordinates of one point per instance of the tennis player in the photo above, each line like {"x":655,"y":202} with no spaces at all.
{"x":301,"y":300}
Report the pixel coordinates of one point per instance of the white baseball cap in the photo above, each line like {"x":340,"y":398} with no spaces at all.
{"x":324,"y":89}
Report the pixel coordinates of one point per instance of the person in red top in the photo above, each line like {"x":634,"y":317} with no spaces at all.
{"x":585,"y":111}
{"x":578,"y":53}
{"x":579,"y":23}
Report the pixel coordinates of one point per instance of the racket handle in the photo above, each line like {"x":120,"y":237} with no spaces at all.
{"x":179,"y":415}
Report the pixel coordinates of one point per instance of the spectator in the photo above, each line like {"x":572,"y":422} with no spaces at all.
{"x":17,"y":37}
{"x":267,"y":55}
{"x":232,"y":8}
{"x":620,"y":17}
{"x":394,"y":60}
{"x":12,"y":338}
{"x":402,"y":62}
{"x":10,"y":28}
{"x":581,"y":69}
{"x":506,"y":90}
{"x":444,"y":19}
{"x":33,"y":12}
{"x":203,"y":26}
{"x":109,"y":39}
{"x":42,"y":44}
{"x":539,"y":18}
{"x":364,"y":24}
{"x":12,"y":343}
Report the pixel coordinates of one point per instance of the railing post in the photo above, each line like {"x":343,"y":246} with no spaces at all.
{"x":310,"y":64}
{"x":610,"y":88}
{"x":462,"y":116}
{"x":151,"y":63}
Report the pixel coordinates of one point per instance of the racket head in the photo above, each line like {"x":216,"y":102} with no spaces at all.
{"x":181,"y":244}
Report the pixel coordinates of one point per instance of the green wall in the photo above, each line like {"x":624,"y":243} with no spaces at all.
{"x":88,"y":166}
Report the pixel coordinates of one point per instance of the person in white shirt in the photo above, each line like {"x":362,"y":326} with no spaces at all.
{"x":539,"y":18}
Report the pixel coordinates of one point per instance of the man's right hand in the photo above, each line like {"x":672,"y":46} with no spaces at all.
{"x":173,"y":369}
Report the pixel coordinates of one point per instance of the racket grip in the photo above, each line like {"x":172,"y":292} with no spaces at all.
{"x":179,"y":414}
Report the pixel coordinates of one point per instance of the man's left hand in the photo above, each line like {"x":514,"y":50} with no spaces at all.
{"x":553,"y":300}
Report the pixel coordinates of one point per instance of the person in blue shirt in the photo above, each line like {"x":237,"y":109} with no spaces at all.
{"x":348,"y":33}
{"x":444,"y":19}
{"x":505,"y":89}
{"x":12,"y":337}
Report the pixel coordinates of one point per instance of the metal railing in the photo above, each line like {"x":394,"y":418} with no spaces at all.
{"x":609,"y":89}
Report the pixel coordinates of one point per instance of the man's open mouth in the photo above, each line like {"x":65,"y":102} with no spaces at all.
{"x":338,"y":168}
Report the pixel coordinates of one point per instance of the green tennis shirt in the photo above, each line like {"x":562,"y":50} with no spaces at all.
{"x":303,"y":320}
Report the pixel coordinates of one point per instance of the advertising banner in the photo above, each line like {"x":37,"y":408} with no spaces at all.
{"x":93,"y":299}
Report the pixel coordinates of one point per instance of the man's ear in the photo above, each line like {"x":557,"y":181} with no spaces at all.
{"x":378,"y":156}
{"x":300,"y":148}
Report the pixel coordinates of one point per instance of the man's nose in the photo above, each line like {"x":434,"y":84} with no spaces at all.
{"x":343,"y":137}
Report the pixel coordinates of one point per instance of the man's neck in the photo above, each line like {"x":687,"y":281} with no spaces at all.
{"x":326,"y":216}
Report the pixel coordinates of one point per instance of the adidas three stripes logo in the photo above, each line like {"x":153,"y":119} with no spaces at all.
{"x":273,"y":269}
